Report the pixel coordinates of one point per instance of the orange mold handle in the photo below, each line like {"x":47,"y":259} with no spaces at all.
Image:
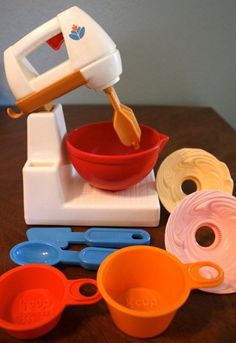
{"x":75,"y":295}
{"x":204,"y":274}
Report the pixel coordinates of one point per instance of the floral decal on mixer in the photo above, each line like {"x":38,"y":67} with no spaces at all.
{"x":77,"y":32}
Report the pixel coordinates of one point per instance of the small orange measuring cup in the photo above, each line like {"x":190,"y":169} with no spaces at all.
{"x":33,"y":297}
{"x":144,"y":286}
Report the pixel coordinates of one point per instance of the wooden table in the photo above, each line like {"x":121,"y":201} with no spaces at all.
{"x":204,"y":317}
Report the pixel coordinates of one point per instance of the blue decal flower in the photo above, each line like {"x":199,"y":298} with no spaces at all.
{"x":77,"y":32}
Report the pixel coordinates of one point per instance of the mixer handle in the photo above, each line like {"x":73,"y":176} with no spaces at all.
{"x":43,"y":108}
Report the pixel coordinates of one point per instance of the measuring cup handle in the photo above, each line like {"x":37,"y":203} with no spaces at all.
{"x":75,"y":297}
{"x":197,"y":278}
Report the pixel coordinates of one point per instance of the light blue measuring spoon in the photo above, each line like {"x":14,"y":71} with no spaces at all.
{"x":97,"y":236}
{"x":48,"y":253}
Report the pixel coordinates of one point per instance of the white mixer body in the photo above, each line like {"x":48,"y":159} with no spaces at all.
{"x":90,"y":51}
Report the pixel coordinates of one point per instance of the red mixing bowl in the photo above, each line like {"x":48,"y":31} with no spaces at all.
{"x":102,"y":160}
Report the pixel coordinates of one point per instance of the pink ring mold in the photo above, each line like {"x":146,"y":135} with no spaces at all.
{"x":212,"y":209}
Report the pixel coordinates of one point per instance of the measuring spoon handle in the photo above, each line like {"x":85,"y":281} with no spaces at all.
{"x":110,"y":237}
{"x":88,"y":258}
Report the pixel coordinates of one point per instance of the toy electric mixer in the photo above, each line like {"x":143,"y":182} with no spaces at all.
{"x":53,"y":192}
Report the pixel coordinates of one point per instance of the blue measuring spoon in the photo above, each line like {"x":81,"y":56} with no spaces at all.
{"x":97,"y":237}
{"x":48,"y":253}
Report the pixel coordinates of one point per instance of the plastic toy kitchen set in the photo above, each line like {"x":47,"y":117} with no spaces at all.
{"x":63,"y":197}
{"x":102,"y":175}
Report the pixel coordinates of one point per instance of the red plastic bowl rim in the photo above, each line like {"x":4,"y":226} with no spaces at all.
{"x":134,"y":155}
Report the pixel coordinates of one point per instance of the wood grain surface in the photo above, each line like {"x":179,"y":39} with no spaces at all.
{"x":204,"y":317}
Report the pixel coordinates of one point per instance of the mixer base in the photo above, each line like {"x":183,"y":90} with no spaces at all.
{"x":54,"y":194}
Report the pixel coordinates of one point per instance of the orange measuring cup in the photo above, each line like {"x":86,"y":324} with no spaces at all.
{"x":144,"y":286}
{"x":34,"y":296}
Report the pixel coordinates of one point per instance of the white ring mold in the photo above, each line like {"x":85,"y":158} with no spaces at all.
{"x":207,"y":208}
{"x":197,"y":165}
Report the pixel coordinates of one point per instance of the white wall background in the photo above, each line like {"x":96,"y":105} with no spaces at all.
{"x":174,"y":52}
